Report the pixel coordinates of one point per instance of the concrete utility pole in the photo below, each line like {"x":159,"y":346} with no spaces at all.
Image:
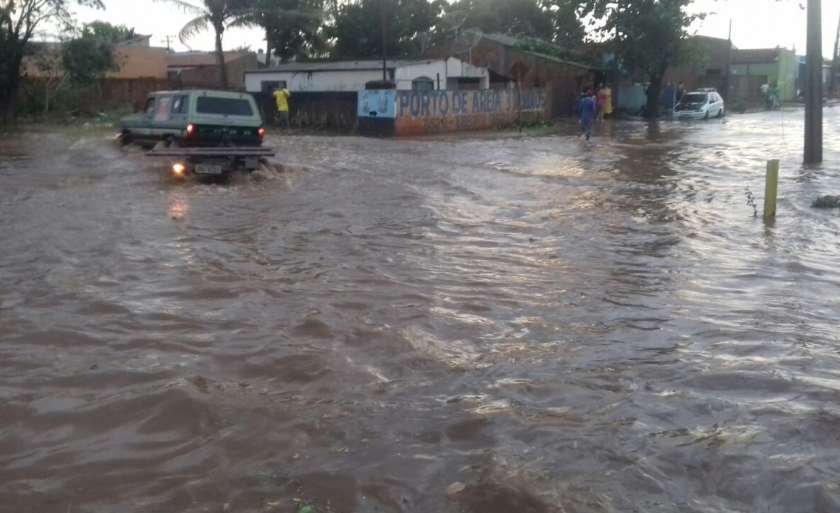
{"x":726,"y":84}
{"x":835,"y":57}
{"x":813,"y":92}
{"x":382,"y":22}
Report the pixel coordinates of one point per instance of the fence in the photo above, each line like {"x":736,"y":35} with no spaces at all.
{"x":103,"y":95}
{"x":317,"y":111}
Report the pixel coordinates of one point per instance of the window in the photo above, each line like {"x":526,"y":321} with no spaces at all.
{"x":423,"y":84}
{"x":179,"y":105}
{"x":224,"y":106}
{"x":162,"y":108}
{"x":269,"y":86}
{"x":150,"y":105}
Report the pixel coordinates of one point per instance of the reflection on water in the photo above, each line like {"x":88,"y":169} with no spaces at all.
{"x":179,"y":206}
{"x":559,"y":326}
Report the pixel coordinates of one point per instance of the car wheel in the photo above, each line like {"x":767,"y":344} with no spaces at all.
{"x":706,"y":116}
{"x":720,"y":113}
{"x":125,"y":138}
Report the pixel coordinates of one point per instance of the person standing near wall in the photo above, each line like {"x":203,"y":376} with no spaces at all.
{"x":668,"y":98}
{"x":680,"y":92}
{"x":605,"y":107}
{"x":587,"y":114}
{"x":281,"y":97}
{"x":600,"y":103}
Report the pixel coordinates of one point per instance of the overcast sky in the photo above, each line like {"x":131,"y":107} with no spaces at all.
{"x":755,"y":23}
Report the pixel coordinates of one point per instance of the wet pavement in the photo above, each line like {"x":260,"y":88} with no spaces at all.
{"x":559,"y":326}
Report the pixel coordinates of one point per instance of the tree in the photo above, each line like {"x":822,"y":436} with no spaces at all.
{"x":568,"y":31}
{"x":19,"y":19}
{"x":77,"y":61}
{"x":514,"y":17}
{"x":356,"y":30}
{"x":105,"y":32}
{"x":650,"y":36}
{"x":292,"y":27}
{"x":86,"y":57}
{"x":215,"y":14}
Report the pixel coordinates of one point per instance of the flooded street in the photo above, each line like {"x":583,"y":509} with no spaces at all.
{"x":562,"y":327}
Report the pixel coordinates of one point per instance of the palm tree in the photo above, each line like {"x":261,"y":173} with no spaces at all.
{"x":215,"y":14}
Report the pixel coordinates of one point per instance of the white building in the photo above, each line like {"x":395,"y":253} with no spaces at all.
{"x":351,"y":76}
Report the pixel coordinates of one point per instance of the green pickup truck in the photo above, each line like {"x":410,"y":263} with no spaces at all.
{"x":196,"y":118}
{"x":203,"y":132}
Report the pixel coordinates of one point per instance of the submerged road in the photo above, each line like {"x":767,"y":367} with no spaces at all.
{"x":558,"y":326}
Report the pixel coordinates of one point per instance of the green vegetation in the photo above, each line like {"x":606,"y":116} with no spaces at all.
{"x":19,"y":20}
{"x":649,"y":35}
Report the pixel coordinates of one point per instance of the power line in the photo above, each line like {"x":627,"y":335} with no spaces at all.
{"x":168,"y":40}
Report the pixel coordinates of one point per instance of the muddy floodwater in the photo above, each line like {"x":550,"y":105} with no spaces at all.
{"x":482,"y":324}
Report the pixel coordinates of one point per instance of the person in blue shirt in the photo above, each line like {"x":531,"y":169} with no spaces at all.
{"x":587,"y":113}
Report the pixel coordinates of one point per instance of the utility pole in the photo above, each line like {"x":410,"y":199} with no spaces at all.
{"x":813,"y":92}
{"x":168,"y":41}
{"x":835,"y":61}
{"x":382,"y":22}
{"x":726,"y":84}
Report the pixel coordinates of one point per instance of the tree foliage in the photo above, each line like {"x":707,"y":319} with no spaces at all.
{"x":86,"y":57}
{"x":356,"y":29}
{"x":293,"y":28}
{"x":19,"y":19}
{"x":107,"y":33}
{"x":649,"y":35}
{"x":514,"y":17}
{"x":568,"y":31}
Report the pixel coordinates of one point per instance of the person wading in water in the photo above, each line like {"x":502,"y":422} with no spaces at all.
{"x":587,"y":114}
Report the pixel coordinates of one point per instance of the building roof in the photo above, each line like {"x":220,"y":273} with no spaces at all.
{"x":136,"y":40}
{"x":711,"y":39}
{"x":755,"y":56}
{"x":194,"y":59}
{"x":366,"y":65}
{"x":527,"y":45}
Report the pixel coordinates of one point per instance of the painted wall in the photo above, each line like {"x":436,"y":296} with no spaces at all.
{"x":139,"y":62}
{"x":433,"y":69}
{"x":784,"y":72}
{"x":442,"y":73}
{"x":318,"y":81}
{"x":355,"y":80}
{"x":630,"y":97}
{"x":429,"y":112}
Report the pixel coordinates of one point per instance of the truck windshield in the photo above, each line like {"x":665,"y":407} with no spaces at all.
{"x":224,"y":106}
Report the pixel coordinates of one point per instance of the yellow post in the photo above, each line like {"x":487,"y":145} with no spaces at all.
{"x":771,"y":189}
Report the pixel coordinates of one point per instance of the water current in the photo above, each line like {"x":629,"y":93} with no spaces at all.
{"x":561,"y":327}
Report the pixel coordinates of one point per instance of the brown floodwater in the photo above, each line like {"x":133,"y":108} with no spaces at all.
{"x":561,"y":327}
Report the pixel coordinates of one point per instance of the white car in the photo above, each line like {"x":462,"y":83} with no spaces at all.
{"x":702,"y":104}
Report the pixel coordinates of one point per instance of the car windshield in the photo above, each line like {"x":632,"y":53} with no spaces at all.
{"x":694,"y":99}
{"x":224,"y":106}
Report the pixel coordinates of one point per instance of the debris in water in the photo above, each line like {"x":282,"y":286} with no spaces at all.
{"x":827,"y":201}
{"x":306,"y":509}
{"x":455,"y":488}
